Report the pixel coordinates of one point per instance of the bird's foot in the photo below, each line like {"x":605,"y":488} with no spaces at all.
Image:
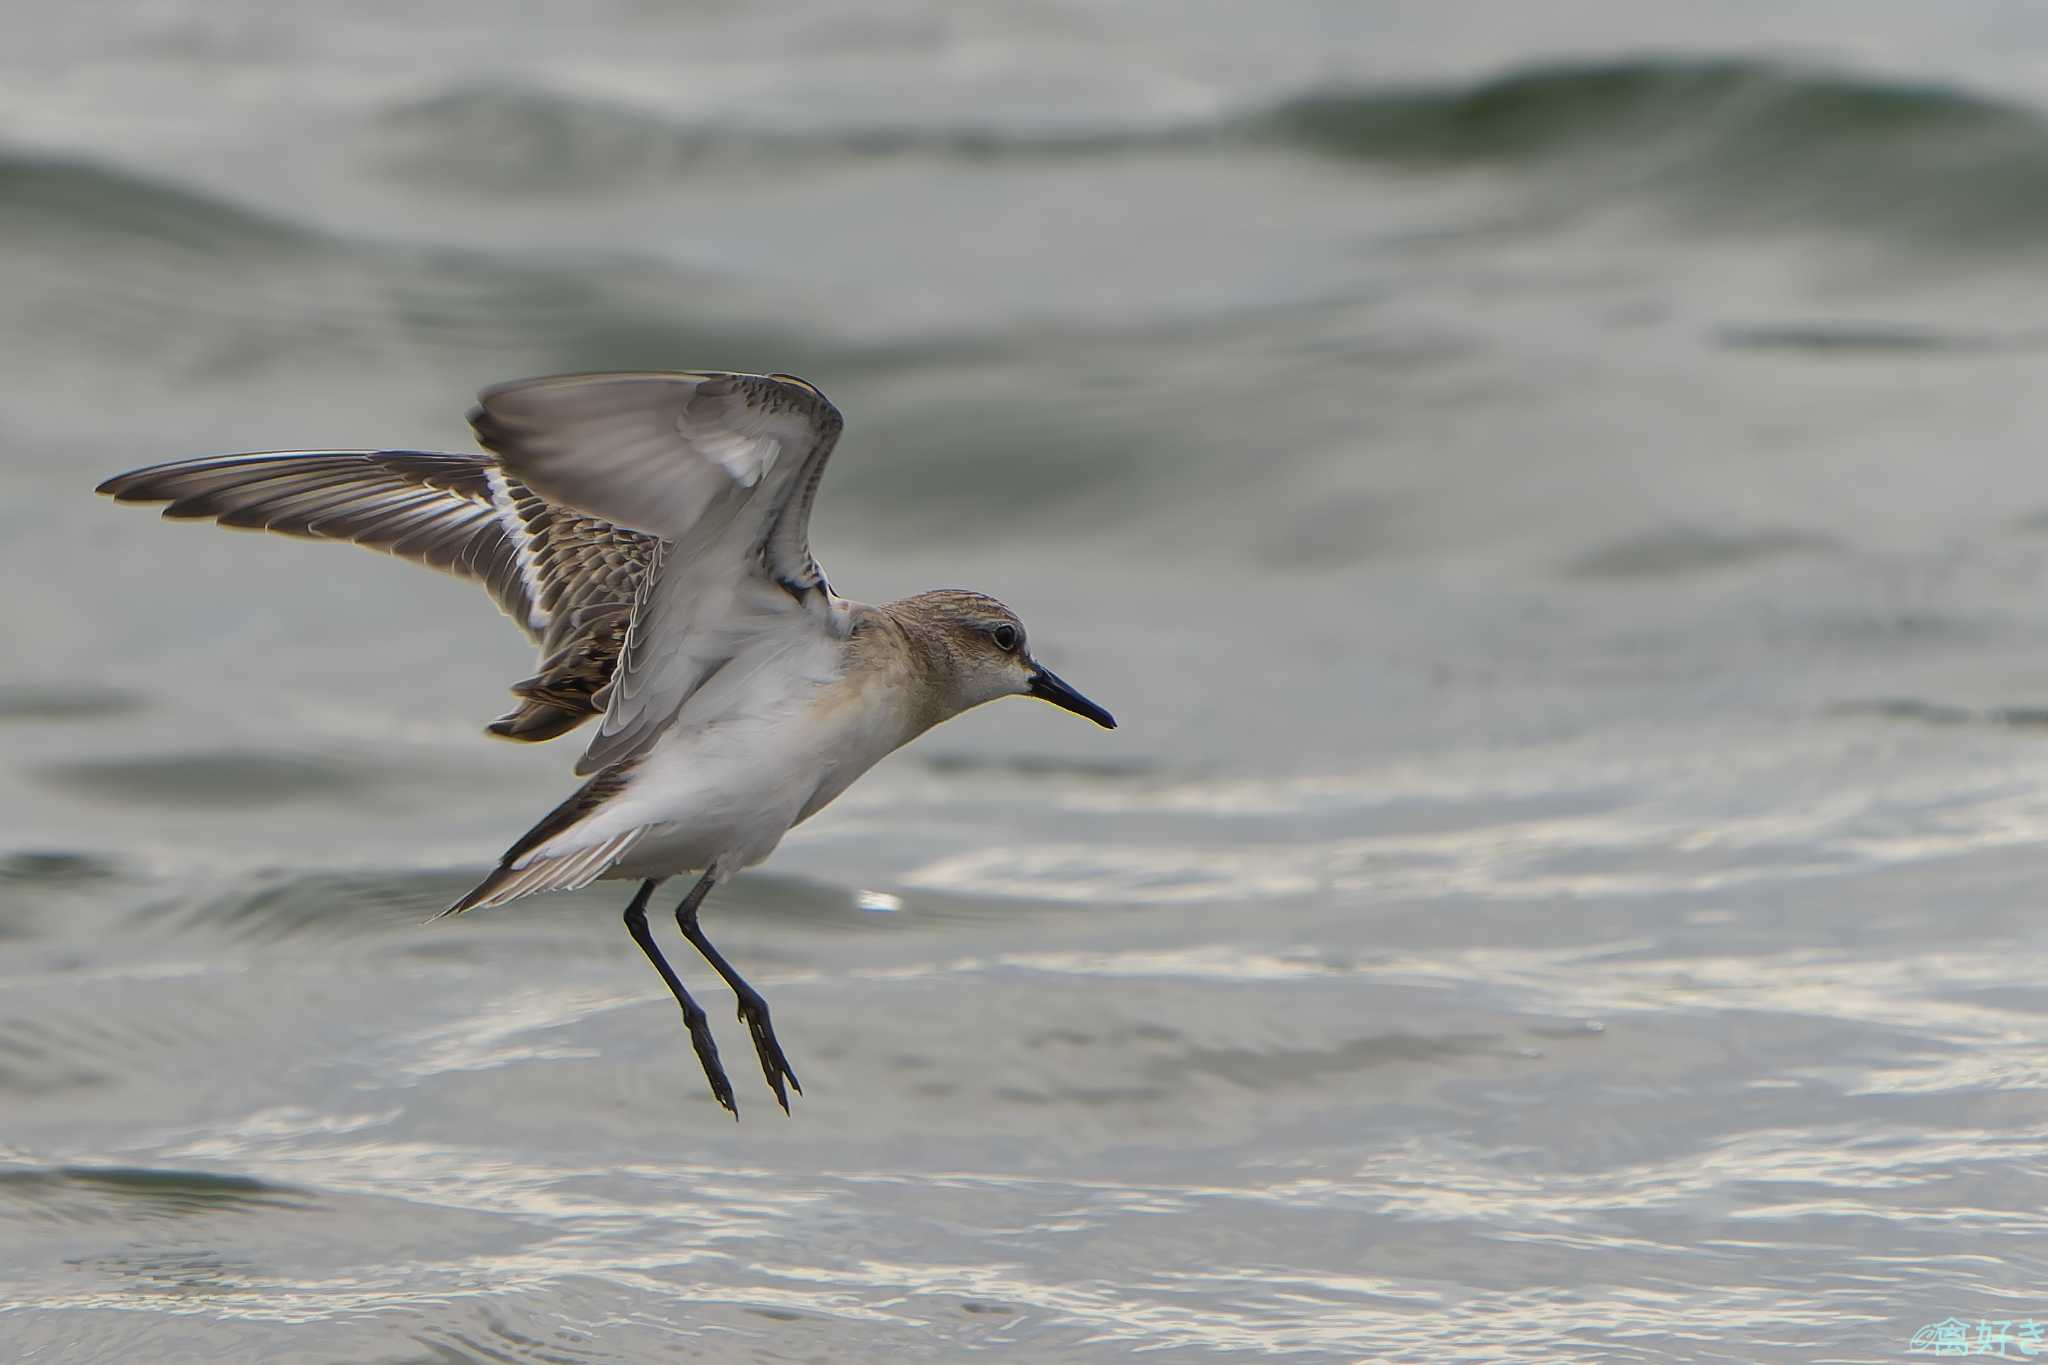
{"x":707,"y":1056}
{"x":754,"y":1013}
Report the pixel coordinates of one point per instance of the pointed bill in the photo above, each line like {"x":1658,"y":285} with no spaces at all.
{"x":1047,"y":685}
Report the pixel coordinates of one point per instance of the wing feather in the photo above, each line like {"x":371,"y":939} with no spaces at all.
{"x":722,"y":468}
{"x":554,"y":572}
{"x":432,"y":508}
{"x":678,"y":502}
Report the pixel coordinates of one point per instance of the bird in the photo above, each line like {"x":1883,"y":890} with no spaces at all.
{"x":650,"y":532}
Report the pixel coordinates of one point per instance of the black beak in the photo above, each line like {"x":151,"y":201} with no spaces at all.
{"x":1046,"y":685}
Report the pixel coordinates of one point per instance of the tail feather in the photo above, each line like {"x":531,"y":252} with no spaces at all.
{"x":523,"y":872}
{"x":568,"y":872}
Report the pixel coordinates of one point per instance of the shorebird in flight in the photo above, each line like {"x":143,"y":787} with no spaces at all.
{"x":651,"y":533}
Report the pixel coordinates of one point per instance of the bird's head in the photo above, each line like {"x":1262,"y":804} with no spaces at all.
{"x":987,"y":655}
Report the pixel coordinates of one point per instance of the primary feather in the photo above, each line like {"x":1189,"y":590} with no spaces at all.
{"x":567,"y":580}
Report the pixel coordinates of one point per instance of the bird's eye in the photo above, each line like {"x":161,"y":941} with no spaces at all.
{"x":1005,"y":638}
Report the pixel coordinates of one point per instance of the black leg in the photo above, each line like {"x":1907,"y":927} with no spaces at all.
{"x":753,"y":1009}
{"x":693,"y":1013}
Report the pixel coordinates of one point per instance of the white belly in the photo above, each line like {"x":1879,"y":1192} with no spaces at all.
{"x":720,"y":796}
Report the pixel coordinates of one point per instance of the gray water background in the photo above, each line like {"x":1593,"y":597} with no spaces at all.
{"x":1554,"y":495}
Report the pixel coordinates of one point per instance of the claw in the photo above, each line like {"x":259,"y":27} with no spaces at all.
{"x":707,"y":1057}
{"x":754,"y":1013}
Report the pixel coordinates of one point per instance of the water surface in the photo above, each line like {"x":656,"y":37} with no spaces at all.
{"x":1554,"y":500}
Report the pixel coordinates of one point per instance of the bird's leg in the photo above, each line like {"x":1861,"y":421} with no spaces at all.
{"x":753,"y":1009}
{"x":693,"y":1013}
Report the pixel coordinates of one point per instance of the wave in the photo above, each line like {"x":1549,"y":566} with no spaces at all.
{"x":1728,"y":142}
{"x":526,"y":139}
{"x":73,"y":199}
{"x":127,"y":267}
{"x":1733,"y":140}
{"x":1721,"y":144}
{"x":125,"y":1194}
{"x":117,"y":267}
{"x":1532,"y":113}
{"x":212,"y":778}
{"x":1927,"y":712}
{"x":1729,"y":106}
{"x":1681,"y":550}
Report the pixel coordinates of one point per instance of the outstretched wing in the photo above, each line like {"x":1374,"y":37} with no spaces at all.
{"x":722,"y":469}
{"x":437,"y":510}
{"x":566,"y":579}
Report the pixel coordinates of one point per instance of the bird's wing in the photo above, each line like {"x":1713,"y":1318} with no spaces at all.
{"x":574,"y":564}
{"x":722,"y":468}
{"x":455,"y":513}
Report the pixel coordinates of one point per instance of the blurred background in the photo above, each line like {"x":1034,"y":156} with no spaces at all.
{"x":1552,"y":493}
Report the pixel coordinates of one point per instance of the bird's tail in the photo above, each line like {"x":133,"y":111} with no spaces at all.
{"x":524,"y":872}
{"x":567,"y":872}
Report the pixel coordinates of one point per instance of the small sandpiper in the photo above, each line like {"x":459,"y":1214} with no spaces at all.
{"x":651,"y":533}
